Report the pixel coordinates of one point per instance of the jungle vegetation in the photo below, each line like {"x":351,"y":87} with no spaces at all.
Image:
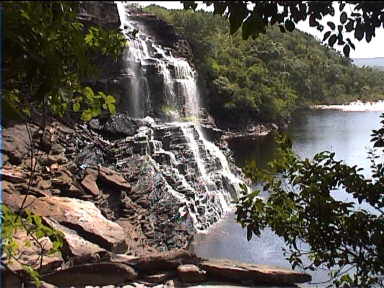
{"x":270,"y":76}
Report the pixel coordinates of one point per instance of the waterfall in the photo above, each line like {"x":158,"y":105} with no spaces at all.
{"x":163,"y":86}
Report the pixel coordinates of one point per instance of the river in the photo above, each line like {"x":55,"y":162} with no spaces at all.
{"x":345,"y":133}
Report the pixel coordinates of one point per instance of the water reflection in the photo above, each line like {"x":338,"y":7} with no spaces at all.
{"x":345,"y":133}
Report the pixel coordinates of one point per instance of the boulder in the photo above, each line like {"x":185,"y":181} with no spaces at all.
{"x":119,"y":126}
{"x":81,"y":216}
{"x":259,"y":274}
{"x":12,"y":175}
{"x":89,"y":181}
{"x":114,"y":179}
{"x":95,"y":274}
{"x":191,"y":273}
{"x":74,"y":244}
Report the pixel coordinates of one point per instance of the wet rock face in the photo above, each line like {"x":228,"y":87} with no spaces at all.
{"x":103,"y":13}
{"x":163,"y":32}
{"x":182,"y":173}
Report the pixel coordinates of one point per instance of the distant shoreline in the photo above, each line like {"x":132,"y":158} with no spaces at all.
{"x":356,"y":106}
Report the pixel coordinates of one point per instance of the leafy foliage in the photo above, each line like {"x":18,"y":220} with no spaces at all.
{"x":48,"y":53}
{"x":268,"y":77}
{"x":12,"y":223}
{"x":341,"y":236}
{"x":360,"y":17}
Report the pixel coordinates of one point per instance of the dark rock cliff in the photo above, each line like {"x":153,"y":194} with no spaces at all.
{"x":105,"y":15}
{"x":164,"y":33}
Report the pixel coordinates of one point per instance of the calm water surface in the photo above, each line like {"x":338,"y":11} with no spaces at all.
{"x":345,"y":133}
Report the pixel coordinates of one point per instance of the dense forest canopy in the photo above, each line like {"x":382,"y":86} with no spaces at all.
{"x":266,"y":78}
{"x":48,"y":55}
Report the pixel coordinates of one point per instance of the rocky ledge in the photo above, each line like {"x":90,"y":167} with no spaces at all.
{"x":177,"y":268}
{"x":113,"y":191}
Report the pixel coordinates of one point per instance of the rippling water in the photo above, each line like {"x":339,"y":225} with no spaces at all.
{"x":345,"y":133}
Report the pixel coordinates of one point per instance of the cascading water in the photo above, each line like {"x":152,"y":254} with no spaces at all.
{"x":163,"y":86}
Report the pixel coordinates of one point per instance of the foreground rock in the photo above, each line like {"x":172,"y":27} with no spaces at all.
{"x":98,"y":274}
{"x":35,"y":254}
{"x":179,"y":266}
{"x":169,"y":260}
{"x":191,"y":274}
{"x":258,"y":274}
{"x":78,"y":215}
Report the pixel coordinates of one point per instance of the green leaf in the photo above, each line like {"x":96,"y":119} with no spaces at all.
{"x":110,"y":99}
{"x":332,"y":40}
{"x":88,"y":92}
{"x":359,"y":32}
{"x":289,"y":25}
{"x":249,"y":233}
{"x":346,"y":50}
{"x":331,"y":25}
{"x":87,"y":115}
{"x":76,"y":107}
{"x":326,"y":35}
{"x":350,"y":25}
{"x":237,"y":15}
{"x":343,"y":17}
{"x":111,"y":108}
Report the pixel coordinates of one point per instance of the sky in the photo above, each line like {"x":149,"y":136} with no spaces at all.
{"x":363,"y":49}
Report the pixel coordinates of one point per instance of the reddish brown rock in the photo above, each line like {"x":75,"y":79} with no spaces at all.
{"x":114,"y":179}
{"x":168,"y":260}
{"x":191,"y":273}
{"x":97,"y":274}
{"x":82,"y":216}
{"x":12,"y":175}
{"x":75,"y":245}
{"x":258,"y":274}
{"x":89,"y":182}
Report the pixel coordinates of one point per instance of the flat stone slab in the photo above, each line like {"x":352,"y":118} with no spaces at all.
{"x":97,"y":274}
{"x":259,"y":274}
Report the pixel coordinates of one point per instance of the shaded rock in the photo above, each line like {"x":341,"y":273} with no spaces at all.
{"x":119,"y":126}
{"x":169,"y":260}
{"x":82,"y":216}
{"x":57,"y":149}
{"x":89,"y":181}
{"x":258,"y":274}
{"x":44,"y":184}
{"x":12,"y":175}
{"x":57,"y":158}
{"x":191,"y":273}
{"x":74,"y":244}
{"x":62,"y":181}
{"x":16,"y":142}
{"x":114,"y":179}
{"x":25,"y":189}
{"x":159,"y":277}
{"x":97,"y":274}
{"x":103,"y":13}
{"x":9,"y":279}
